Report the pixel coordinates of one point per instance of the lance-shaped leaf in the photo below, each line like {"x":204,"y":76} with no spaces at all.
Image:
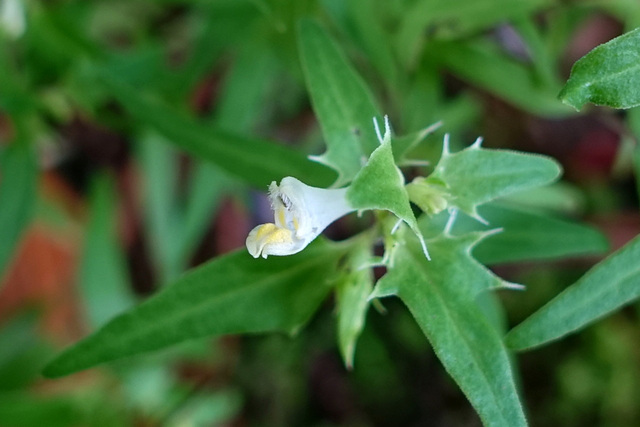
{"x":252,"y":160}
{"x":608,"y":75}
{"x":380,"y":185}
{"x":441,"y":297}
{"x":454,"y":18}
{"x":608,"y":286}
{"x":231,"y":294}
{"x":341,"y":100}
{"x":476,"y":175}
{"x":484,"y":65}
{"x":103,"y":279}
{"x":18,"y":184}
{"x":353,"y":290}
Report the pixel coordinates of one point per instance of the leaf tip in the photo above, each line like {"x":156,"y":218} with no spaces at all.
{"x":56,"y":368}
{"x":568,"y":96}
{"x":514,"y":341}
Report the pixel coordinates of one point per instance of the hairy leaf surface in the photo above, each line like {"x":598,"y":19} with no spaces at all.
{"x":605,"y":288}
{"x":341,"y":100}
{"x":380,"y":185}
{"x":441,"y":295}
{"x":608,"y":75}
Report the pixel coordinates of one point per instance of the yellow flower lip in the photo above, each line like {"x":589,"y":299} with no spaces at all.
{"x":301,"y":213}
{"x":265,"y":239}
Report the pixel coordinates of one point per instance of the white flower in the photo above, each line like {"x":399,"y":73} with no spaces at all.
{"x":301,"y":213}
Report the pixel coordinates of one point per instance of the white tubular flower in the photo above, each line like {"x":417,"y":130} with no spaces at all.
{"x":301,"y":213}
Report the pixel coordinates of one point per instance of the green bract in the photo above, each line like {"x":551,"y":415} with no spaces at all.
{"x":475,"y":176}
{"x":380,"y":185}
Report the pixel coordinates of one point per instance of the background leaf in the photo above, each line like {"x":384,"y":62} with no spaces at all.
{"x":525,"y":235}
{"x":608,"y":286}
{"x":162,"y":216}
{"x":251,"y":160}
{"x":231,"y":294}
{"x":608,"y":75}
{"x":454,"y":18}
{"x":342,"y":102}
{"x":485,"y":65}
{"x":103,"y":273}
{"x":18,"y":189}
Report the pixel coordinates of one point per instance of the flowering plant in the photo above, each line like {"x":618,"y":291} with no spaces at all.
{"x":434,"y":211}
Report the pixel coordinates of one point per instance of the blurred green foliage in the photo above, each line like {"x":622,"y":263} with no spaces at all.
{"x":154,"y":114}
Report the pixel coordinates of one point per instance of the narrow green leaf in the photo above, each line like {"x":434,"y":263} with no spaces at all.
{"x":367,"y":19}
{"x":238,"y":110}
{"x":103,"y":279}
{"x":231,"y":294}
{"x":529,"y":236}
{"x":608,"y":286}
{"x":207,"y":186}
{"x":454,"y":18}
{"x":422,"y":99}
{"x":560,"y":197}
{"x":18,"y":187}
{"x":251,"y":160}
{"x":353,"y":290}
{"x":243,"y":95}
{"x":484,"y":65}
{"x":523,"y":236}
{"x":441,"y":296}
{"x":476,"y":175}
{"x":158,"y":161}
{"x":216,"y":26}
{"x":542,"y":59}
{"x":608,"y":75}
{"x":175,"y":225}
{"x":341,"y":100}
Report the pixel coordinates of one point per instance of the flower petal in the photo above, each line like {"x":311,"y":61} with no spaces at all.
{"x":269,"y":239}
